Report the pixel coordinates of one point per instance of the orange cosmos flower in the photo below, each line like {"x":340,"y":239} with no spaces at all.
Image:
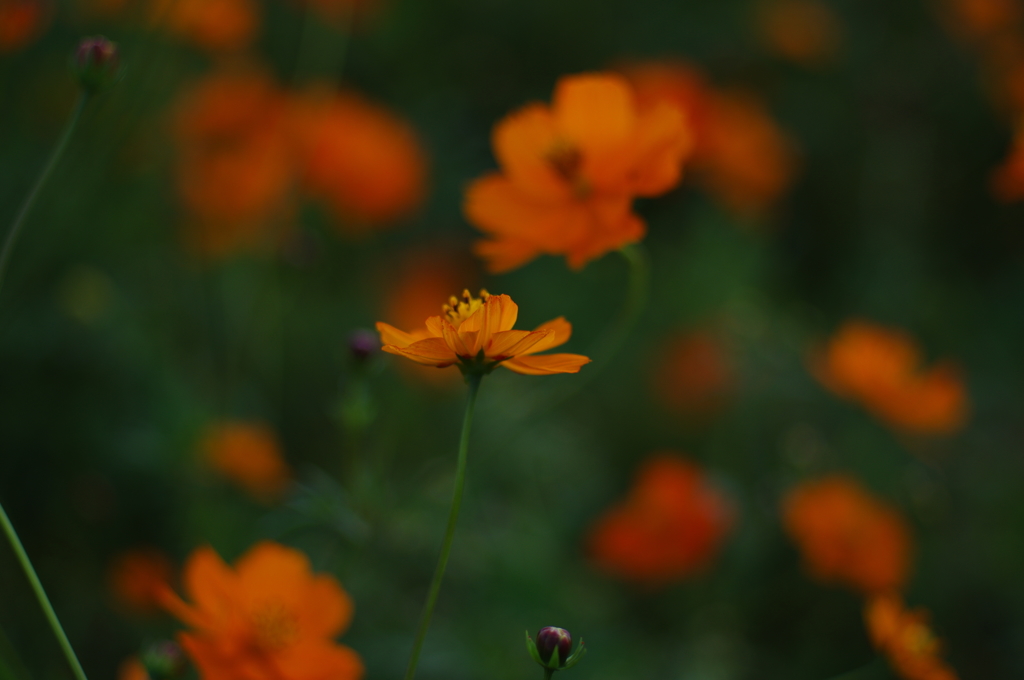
{"x":803,"y":31}
{"x":570,"y":173}
{"x":740,"y":155}
{"x":248,"y":454}
{"x":362,"y":160}
{"x":982,"y":20}
{"x":669,"y":527}
{"x":21,"y":22}
{"x":214,"y":25}
{"x":905,"y":637}
{"x":880,"y":368}
{"x":848,"y":536}
{"x":476,"y":334}
{"x":269,"y":618}
{"x":694,"y":374}
{"x":137,"y":576}
{"x":233,"y":162}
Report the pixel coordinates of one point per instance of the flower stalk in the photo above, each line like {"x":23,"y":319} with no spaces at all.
{"x":26,"y":207}
{"x":44,"y":601}
{"x":473,"y":380}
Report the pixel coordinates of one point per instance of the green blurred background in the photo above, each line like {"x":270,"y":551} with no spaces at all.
{"x":118,"y":347}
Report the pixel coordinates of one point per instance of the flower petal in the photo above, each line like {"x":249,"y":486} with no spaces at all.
{"x":597,"y":112}
{"x":664,"y":140}
{"x":505,"y":254}
{"x":431,"y":351}
{"x":515,"y":343}
{"x":500,"y":208}
{"x":210,"y":583}
{"x":455,"y":341}
{"x":498,"y":314}
{"x":561,"y":332}
{"x":389,"y":335}
{"x":521,"y":142}
{"x":313,"y":659}
{"x":435,"y":326}
{"x":547,"y":364}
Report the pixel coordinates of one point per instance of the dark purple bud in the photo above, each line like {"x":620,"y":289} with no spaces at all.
{"x":363,"y":344}
{"x":551,"y":638}
{"x":96,"y":63}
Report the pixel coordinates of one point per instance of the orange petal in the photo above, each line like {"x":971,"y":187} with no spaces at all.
{"x":498,"y":314}
{"x":271,"y":571}
{"x":389,"y":335}
{"x":210,"y":583}
{"x":515,"y":343}
{"x":498,"y":207}
{"x":435,"y":326}
{"x":455,"y":341}
{"x":318,"y":659}
{"x":597,"y":112}
{"x":431,"y":352}
{"x":521,"y":142}
{"x":547,"y":364}
{"x":561,"y":332}
{"x":664,"y":140}
{"x":327,"y":609}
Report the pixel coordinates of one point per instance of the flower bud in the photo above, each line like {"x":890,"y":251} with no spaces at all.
{"x":363,"y":344}
{"x":553,"y":649}
{"x":551,"y":638}
{"x":96,"y":63}
{"x":164,"y":661}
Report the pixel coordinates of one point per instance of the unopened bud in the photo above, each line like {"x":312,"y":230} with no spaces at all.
{"x":363,"y":344}
{"x":164,"y":661}
{"x":551,"y":638}
{"x":553,"y":649}
{"x":96,"y":63}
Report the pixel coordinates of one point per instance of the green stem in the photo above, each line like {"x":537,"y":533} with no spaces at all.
{"x":548,"y":672}
{"x":26,"y":207}
{"x":453,"y":516}
{"x":44,"y":602}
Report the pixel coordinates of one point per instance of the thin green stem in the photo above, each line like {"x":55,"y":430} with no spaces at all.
{"x":453,"y":517}
{"x":44,"y":602}
{"x":548,"y":672}
{"x":26,"y":207}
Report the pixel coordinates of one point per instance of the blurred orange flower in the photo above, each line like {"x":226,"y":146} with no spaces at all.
{"x":477,"y":334}
{"x":365,"y":162}
{"x":137,"y":576}
{"x":848,"y":536}
{"x":1007,"y":181}
{"x":249,"y":455}
{"x":269,"y":618}
{"x":233,"y":162}
{"x":694,"y":374}
{"x":570,"y":173}
{"x":881,"y":368}
{"x":803,"y":31}
{"x":21,"y":22}
{"x":905,"y":637}
{"x":740,"y":155}
{"x":981,"y":20}
{"x":214,"y":25}
{"x":670,"y":526}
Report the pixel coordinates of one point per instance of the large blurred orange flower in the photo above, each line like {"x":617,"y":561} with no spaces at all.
{"x":269,"y":618}
{"x":848,"y":536}
{"x":249,"y":455}
{"x":741,"y":156}
{"x":881,"y":368}
{"x":570,"y":172}
{"x":233,"y":161}
{"x":906,"y":639}
{"x":670,"y":526}
{"x":476,"y":334}
{"x":214,"y":25}
{"x":361,"y":159}
{"x":21,"y":22}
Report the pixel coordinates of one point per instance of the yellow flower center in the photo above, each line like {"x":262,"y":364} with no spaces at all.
{"x":458,"y":310}
{"x":274,"y":627}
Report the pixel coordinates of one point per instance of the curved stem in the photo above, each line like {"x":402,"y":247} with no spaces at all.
{"x":453,"y":516}
{"x":44,"y":602}
{"x":26,"y":207}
